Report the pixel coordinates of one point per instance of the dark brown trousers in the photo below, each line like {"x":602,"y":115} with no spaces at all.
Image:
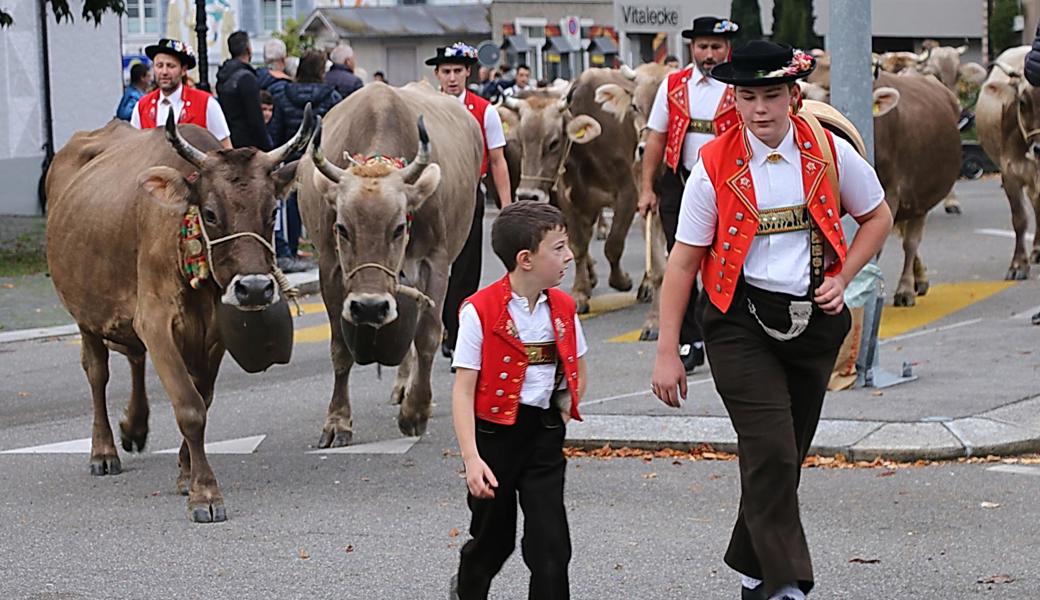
{"x":773,"y":392}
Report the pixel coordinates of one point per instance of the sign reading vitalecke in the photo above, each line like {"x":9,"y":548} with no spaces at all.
{"x":642,"y":15}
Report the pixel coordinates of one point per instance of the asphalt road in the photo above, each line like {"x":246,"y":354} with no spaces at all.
{"x":373,"y":525}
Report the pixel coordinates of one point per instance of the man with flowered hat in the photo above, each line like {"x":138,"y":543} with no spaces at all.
{"x":452,"y":68}
{"x":171,"y":59}
{"x":690,"y":109}
{"x":760,"y":221}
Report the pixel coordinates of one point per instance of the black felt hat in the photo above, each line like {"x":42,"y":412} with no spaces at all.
{"x":175,"y":48}
{"x":761,"y":63}
{"x":711,"y":26}
{"x":456,"y":54}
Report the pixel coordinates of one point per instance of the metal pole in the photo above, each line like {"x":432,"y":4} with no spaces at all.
{"x":201,"y":48}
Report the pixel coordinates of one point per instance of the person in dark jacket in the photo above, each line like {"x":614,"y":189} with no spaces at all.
{"x":341,"y":74}
{"x":140,"y":81}
{"x":239,"y":93}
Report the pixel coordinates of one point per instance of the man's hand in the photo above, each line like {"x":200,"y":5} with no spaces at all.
{"x":831,"y":295}
{"x":669,"y":374}
{"x":479,"y":479}
{"x":647,"y":201}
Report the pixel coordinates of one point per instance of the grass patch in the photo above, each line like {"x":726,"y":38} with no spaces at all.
{"x":24,"y":253}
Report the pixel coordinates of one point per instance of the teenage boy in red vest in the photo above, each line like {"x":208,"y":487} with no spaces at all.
{"x":761,"y":223}
{"x":690,"y":109}
{"x":452,"y":67}
{"x":171,"y":60}
{"x":520,"y":375}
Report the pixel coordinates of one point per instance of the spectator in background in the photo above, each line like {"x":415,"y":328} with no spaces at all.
{"x":140,"y":81}
{"x":289,"y":103}
{"x":266,"y":105}
{"x":672,"y":61}
{"x":238,"y":90}
{"x":275,"y":70}
{"x":523,"y":79}
{"x":379,"y":76}
{"x":341,"y":74}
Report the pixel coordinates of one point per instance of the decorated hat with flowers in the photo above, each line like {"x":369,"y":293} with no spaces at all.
{"x":711,"y":26}
{"x":177,"y":48}
{"x":761,"y":63}
{"x":457,"y":54}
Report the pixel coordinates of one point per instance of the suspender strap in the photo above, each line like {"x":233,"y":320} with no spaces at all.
{"x":816,"y":241}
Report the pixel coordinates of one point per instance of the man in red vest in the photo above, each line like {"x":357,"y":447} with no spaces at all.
{"x":690,"y":109}
{"x":760,"y":221}
{"x":171,"y":59}
{"x":452,"y":67}
{"x":520,"y":375}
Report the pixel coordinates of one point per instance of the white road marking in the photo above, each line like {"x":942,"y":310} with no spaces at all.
{"x":22,"y":335}
{"x":70,"y":447}
{"x":246,"y":445}
{"x":1016,"y":470}
{"x":1027,"y":313}
{"x":907,"y":336}
{"x":395,"y":446}
{"x":1004,"y":233}
{"x":634,"y":394}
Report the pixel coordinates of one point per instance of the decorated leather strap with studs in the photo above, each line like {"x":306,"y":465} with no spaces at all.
{"x":783,"y":220}
{"x":193,"y":248}
{"x":540,"y":353}
{"x":705,"y":126}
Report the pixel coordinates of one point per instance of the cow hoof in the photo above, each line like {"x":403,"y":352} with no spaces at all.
{"x":210,"y":513}
{"x":1017,"y":273}
{"x":645,"y":293}
{"x":1034,"y":256}
{"x":105,"y":465}
{"x":921,"y":287}
{"x":903,"y":299}
{"x":335,"y":439}
{"x":621,"y":282}
{"x":953,"y":209}
{"x":397,"y":395}
{"x":648,"y":334}
{"x":413,"y":426}
{"x":132,"y":438}
{"x":581,"y":305}
{"x":183,"y":481}
{"x":601,"y":234}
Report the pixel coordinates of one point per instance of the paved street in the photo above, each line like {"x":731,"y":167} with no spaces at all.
{"x":386,"y":519}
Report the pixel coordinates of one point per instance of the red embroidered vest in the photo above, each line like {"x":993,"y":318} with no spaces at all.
{"x":726,"y":115}
{"x":503,"y":360}
{"x":727,"y":162}
{"x":193,"y":108}
{"x":476,"y":107}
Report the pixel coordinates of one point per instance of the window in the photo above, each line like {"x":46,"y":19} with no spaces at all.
{"x":276,"y":13}
{"x":142,"y":16}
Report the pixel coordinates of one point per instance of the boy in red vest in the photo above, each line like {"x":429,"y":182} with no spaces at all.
{"x":760,"y":221}
{"x":520,"y":375}
{"x":689,"y":110}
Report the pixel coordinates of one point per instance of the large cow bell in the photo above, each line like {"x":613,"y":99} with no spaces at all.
{"x":389,"y":344}
{"x":257,"y":339}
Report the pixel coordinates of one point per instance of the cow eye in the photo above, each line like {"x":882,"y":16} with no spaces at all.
{"x":399,"y":231}
{"x":209,"y":216}
{"x":341,"y":231}
{"x":554,"y":144}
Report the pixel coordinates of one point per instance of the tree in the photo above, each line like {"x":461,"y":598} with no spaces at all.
{"x":1001,"y":26}
{"x":793,"y":23}
{"x":748,"y":15}
{"x":295,"y":42}
{"x":92,"y":11}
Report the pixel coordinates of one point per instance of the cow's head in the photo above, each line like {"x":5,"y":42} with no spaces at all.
{"x":546,"y":133}
{"x":374,"y":204}
{"x":236,"y":194}
{"x":1021,"y":103}
{"x":636,"y":98}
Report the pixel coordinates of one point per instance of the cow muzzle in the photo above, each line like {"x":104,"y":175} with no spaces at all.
{"x":533,"y":194}
{"x":251,"y":292}
{"x":374,"y":310}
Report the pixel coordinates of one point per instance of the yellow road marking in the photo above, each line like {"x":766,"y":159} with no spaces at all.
{"x":315,"y":333}
{"x":631,"y":336}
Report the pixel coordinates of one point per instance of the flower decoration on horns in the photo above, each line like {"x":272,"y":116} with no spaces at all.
{"x":459,"y":49}
{"x":800,"y":63}
{"x":725,"y":26}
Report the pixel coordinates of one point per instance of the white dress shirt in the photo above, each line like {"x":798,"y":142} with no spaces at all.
{"x":777,"y":262}
{"x":533,"y":327}
{"x":704,"y":94}
{"x":215,"y":121}
{"x":494,"y":135}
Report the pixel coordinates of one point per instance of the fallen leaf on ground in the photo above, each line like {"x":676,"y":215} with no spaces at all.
{"x":650,"y":476}
{"x":302,"y":553}
{"x":864,"y":561}
{"x":454,"y":532}
{"x":990,"y":505}
{"x":995,"y":579}
{"x":349,"y":548}
{"x":886,"y":473}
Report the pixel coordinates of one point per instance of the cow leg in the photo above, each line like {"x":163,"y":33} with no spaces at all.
{"x":133,"y":428}
{"x":651,"y":324}
{"x":416,"y":408}
{"x":921,"y":284}
{"x":104,"y":460}
{"x":913,"y":229}
{"x":624,"y":212}
{"x":951,"y":205}
{"x":1034,"y":198}
{"x":401,"y":381}
{"x":338,"y":429}
{"x":579,"y":231}
{"x":1013,"y":188}
{"x":602,"y":226}
{"x":204,"y":379}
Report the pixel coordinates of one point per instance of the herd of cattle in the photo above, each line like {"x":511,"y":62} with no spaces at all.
{"x":124,"y":203}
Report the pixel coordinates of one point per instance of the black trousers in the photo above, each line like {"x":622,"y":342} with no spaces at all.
{"x":527,"y":460}
{"x":464,"y":279}
{"x":669,"y":189}
{"x":773,"y":392}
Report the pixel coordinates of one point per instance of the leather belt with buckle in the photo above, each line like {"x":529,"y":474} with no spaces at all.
{"x":541,"y":353}
{"x":702,"y":126}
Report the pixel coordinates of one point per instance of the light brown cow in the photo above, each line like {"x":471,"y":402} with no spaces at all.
{"x":574,"y":150}
{"x":1007,"y":118}
{"x":371,"y":223}
{"x":115,"y":258}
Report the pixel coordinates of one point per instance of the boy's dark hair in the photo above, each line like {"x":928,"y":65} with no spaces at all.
{"x":138,"y":72}
{"x":266,"y":97}
{"x":522,"y":226}
{"x":524,"y":67}
{"x":238,"y":44}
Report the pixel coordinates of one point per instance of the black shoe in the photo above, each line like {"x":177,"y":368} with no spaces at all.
{"x":692,"y":356}
{"x":453,"y":588}
{"x":759,"y":593}
{"x":447,"y":349}
{"x":1036,"y":319}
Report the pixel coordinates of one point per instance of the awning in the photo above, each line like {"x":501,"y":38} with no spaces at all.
{"x":516,"y":43}
{"x":465,"y":20}
{"x":602,"y":45}
{"x":559,"y":45}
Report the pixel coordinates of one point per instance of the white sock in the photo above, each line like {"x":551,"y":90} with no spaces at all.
{"x":749,"y":582}
{"x":788,"y":591}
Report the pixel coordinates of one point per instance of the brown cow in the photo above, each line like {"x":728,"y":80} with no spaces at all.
{"x":1007,"y":118}
{"x":373,"y":222}
{"x":115,"y":258}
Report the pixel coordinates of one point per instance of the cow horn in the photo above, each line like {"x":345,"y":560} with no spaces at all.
{"x":513,"y":103}
{"x":182,"y":146}
{"x":422,"y":156}
{"x":628,"y":72}
{"x":329,"y":170}
{"x":298,"y":141}
{"x":924,"y":56}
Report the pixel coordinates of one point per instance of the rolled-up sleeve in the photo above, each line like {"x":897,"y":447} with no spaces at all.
{"x":658,"y":119}
{"x":860,"y":189}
